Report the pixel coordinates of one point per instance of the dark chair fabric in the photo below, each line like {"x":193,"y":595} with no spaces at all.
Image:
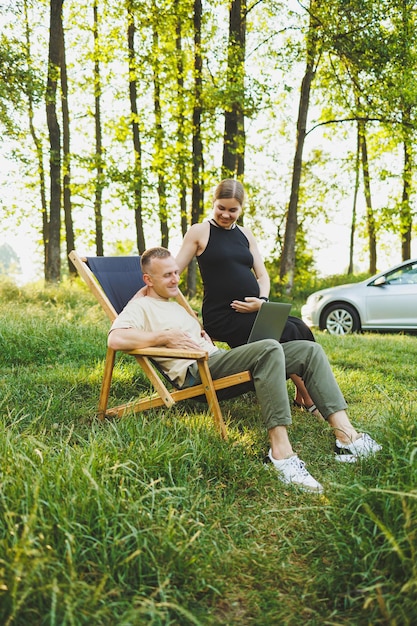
{"x":120,"y":277}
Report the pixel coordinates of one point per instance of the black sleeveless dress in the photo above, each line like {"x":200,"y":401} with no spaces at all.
{"x":226,"y":271}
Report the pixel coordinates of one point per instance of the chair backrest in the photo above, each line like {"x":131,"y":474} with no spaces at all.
{"x":114,"y":281}
{"x":119,"y":276}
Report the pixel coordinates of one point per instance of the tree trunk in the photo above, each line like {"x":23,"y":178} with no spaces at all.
{"x":233,"y":163}
{"x":406,"y":215}
{"x":52,"y":244}
{"x":197,"y":196}
{"x":370,"y":219}
{"x":287,"y":269}
{"x":137,"y":146}
{"x":98,"y":193}
{"x":69,"y":227}
{"x":355,"y":200}
{"x":181,"y":115}
{"x":159,"y":142}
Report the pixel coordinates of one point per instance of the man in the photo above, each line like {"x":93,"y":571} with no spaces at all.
{"x":154,"y":320}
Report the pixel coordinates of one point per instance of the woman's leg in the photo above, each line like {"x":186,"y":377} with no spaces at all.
{"x":302,"y":397}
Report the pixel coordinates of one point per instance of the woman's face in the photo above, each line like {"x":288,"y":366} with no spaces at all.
{"x":226,"y":211}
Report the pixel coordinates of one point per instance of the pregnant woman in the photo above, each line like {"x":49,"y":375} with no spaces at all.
{"x":234,"y":276}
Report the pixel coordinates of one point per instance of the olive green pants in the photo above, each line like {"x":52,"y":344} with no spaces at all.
{"x":271,"y":363}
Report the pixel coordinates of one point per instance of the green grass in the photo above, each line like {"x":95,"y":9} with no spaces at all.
{"x":153,"y":519}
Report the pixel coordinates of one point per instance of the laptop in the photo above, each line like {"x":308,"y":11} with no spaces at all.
{"x":270,"y":321}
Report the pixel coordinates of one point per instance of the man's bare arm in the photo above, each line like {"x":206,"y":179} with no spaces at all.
{"x":132,"y":339}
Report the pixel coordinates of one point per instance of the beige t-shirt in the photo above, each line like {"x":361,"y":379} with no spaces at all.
{"x":153,"y":315}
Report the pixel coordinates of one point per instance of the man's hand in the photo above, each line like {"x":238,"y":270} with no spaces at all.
{"x":206,"y":336}
{"x":178,"y":339}
{"x":248,"y":305}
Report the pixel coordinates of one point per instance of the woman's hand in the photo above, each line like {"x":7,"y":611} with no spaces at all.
{"x":248,"y":305}
{"x":141,"y":293}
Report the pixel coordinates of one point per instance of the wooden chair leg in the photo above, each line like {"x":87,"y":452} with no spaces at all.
{"x":211,"y":396}
{"x":105,"y":385}
{"x":157,"y":383}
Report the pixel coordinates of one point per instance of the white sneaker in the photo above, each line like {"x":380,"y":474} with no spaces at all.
{"x":292,"y":470}
{"x":361,"y":448}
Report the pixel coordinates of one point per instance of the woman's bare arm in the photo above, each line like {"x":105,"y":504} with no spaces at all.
{"x":194,"y":242}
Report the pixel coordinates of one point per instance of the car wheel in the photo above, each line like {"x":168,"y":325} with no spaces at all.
{"x":340,"y":319}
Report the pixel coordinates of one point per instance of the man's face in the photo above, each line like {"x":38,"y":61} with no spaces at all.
{"x":162,"y":278}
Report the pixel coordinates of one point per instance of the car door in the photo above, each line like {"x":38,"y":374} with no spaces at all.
{"x":391,"y":300}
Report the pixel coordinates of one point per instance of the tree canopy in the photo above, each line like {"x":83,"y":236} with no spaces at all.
{"x":124,"y":115}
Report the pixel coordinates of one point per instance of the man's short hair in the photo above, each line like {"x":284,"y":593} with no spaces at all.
{"x":153,"y":253}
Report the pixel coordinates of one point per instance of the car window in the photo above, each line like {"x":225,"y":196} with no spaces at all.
{"x":403,"y":276}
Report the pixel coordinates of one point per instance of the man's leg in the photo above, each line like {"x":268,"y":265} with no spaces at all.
{"x":265,"y":359}
{"x":308,"y":360}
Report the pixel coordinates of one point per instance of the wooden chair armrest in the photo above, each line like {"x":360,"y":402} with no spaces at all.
{"x":170,"y":353}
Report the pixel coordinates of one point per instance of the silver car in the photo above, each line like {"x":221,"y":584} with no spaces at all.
{"x":387,"y":301}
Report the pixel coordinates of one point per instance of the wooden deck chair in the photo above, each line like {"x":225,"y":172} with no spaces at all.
{"x":113,"y":281}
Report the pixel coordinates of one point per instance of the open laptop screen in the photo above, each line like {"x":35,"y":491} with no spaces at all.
{"x":270,"y":321}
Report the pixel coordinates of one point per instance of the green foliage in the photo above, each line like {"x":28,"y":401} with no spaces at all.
{"x":16,"y":81}
{"x":341,"y":279}
{"x":153,"y":519}
{"x":307,"y":279}
{"x":366,"y":68}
